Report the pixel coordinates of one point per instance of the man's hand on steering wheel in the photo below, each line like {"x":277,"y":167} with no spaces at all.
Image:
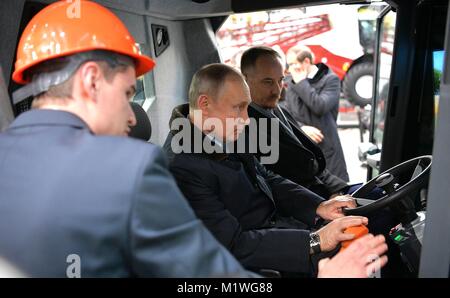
{"x":332,"y":208}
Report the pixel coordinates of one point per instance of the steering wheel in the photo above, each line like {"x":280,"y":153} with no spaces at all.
{"x":397,"y":182}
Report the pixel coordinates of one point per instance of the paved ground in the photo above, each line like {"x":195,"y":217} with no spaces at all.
{"x":350,"y":140}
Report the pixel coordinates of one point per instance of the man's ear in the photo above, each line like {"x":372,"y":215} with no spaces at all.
{"x":90,"y":74}
{"x":203,"y":103}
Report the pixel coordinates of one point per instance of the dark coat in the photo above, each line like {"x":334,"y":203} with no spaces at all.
{"x":259,"y":216}
{"x":315,"y":102}
{"x":109,"y":200}
{"x":300,"y":159}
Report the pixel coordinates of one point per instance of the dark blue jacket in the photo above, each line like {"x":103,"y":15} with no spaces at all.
{"x":259,"y":216}
{"x":109,"y":200}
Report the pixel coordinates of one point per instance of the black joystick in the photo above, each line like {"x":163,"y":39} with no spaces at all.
{"x":386,"y":182}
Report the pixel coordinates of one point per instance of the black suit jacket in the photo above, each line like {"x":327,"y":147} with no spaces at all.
{"x":259,"y":216}
{"x":300,"y":159}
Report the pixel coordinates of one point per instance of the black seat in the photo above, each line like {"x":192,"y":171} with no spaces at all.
{"x":6,"y":112}
{"x":143,"y":129}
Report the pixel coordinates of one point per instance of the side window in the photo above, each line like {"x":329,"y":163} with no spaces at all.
{"x":340,"y":36}
{"x":382,"y":80}
{"x":145,"y":85}
{"x":438,"y":67}
{"x":387,"y":35}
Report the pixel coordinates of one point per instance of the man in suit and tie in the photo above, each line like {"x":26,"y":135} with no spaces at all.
{"x":265,"y":220}
{"x":300,"y":159}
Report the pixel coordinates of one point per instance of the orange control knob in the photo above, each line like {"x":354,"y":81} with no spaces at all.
{"x":358,"y":231}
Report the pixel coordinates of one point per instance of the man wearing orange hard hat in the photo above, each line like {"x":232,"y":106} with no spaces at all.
{"x":78,"y":198}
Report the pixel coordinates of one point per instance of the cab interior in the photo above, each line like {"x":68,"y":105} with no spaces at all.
{"x":407,"y":120}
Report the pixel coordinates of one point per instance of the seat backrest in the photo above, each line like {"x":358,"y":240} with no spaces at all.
{"x":143,"y":129}
{"x":6,"y":112}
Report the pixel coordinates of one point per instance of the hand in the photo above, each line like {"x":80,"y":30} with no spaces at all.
{"x":333,"y":233}
{"x":356,"y":260}
{"x":335,"y":195}
{"x":298,"y":74}
{"x":332,"y":208}
{"x":312,"y":132}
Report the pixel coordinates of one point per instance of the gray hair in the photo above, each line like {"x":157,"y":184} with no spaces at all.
{"x":209,"y":80}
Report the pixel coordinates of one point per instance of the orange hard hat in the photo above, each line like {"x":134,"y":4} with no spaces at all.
{"x":65,"y":28}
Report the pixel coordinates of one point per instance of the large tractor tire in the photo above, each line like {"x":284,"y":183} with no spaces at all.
{"x":358,"y":84}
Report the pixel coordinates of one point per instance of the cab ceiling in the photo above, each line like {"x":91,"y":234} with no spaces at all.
{"x":194,"y":9}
